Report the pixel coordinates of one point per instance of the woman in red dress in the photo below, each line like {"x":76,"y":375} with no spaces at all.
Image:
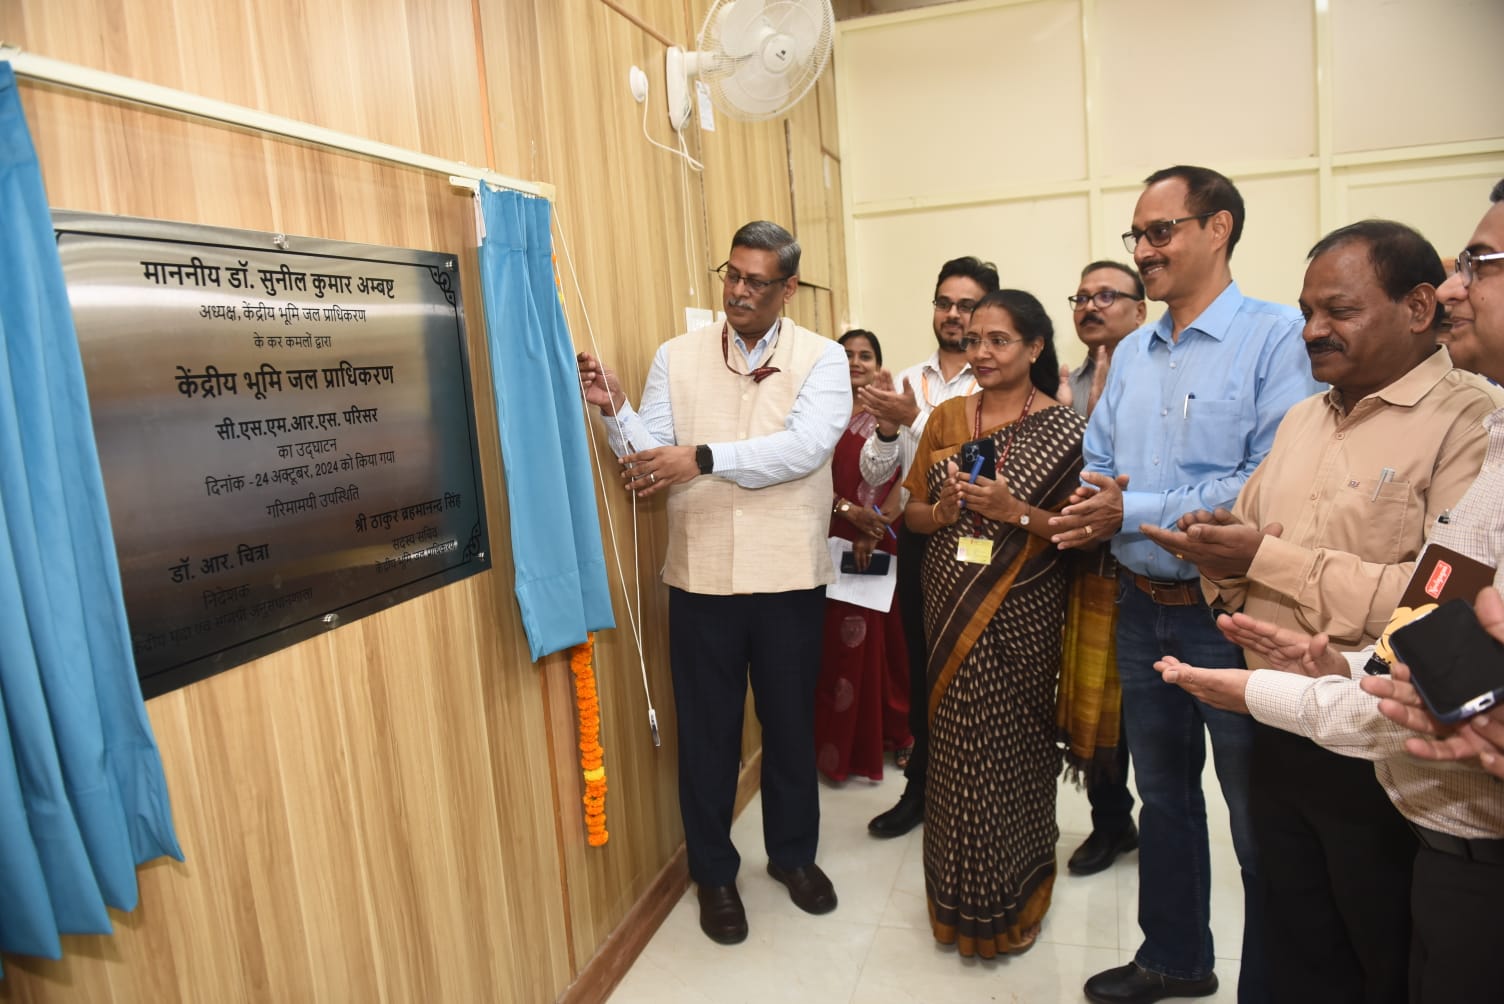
{"x":862,"y":699}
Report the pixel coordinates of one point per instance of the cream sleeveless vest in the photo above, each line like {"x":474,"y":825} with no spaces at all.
{"x":725,"y":539}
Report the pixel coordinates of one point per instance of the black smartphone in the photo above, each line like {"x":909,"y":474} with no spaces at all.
{"x":1456,"y":666}
{"x":877,"y":566}
{"x":978,"y":449}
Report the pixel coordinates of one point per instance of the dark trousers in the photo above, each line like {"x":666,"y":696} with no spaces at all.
{"x":1111,"y":801}
{"x":715,"y":643}
{"x":1336,"y":859}
{"x":1167,"y":735}
{"x":910,"y":592}
{"x":1454,"y":952}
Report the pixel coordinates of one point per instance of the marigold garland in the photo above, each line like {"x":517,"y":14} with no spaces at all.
{"x":592,"y":754}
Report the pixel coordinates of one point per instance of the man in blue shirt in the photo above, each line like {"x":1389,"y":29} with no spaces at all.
{"x":1190,"y":408}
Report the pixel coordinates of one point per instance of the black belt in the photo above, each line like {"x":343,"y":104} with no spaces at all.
{"x":1484,"y":850}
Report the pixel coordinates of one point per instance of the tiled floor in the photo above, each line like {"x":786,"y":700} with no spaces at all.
{"x":876,"y":947}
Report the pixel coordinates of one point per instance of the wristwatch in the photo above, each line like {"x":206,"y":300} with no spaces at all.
{"x":704,"y":458}
{"x":1023,"y":520}
{"x":842,"y":507}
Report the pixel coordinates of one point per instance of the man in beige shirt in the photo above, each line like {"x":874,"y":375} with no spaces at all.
{"x":1456,"y":809}
{"x":1323,"y":538}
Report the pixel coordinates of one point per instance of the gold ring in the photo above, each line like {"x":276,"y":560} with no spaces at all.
{"x":1086,"y":529}
{"x":1179,"y":556}
{"x":652,"y":478}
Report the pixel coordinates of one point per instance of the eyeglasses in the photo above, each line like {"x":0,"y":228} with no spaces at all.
{"x":757,"y":287}
{"x":1466,"y":260}
{"x":1103,"y":298}
{"x":943,"y":305}
{"x":994,"y":342}
{"x":1160,"y":231}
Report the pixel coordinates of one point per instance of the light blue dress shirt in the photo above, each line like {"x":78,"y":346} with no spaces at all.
{"x":1188,"y":421}
{"x":807,"y":439}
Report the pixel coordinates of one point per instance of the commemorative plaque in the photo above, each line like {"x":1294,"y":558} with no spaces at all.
{"x":285,"y":427}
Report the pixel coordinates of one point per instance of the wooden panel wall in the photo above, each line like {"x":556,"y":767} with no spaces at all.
{"x":390,"y":812}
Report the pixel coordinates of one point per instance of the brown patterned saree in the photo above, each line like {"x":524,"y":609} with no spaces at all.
{"x":995,"y":634}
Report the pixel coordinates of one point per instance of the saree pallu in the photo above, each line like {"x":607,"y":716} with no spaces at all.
{"x":1088,"y":714}
{"x":996,"y":636}
{"x":862,"y":697}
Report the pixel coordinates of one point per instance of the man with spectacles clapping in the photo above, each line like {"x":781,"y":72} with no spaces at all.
{"x":1107,"y":307}
{"x":901,"y":413}
{"x":1190,"y":409}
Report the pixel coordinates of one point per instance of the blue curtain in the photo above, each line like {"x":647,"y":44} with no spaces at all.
{"x":82,"y":796}
{"x":556,"y":535}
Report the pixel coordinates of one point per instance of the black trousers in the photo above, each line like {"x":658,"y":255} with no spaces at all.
{"x":1336,"y":858}
{"x":1111,"y":801}
{"x":1454,"y":951}
{"x":910,"y":593}
{"x":715,"y":642}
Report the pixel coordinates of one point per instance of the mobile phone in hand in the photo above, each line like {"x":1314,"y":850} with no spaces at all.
{"x":1457,"y":667}
{"x":985,"y":450}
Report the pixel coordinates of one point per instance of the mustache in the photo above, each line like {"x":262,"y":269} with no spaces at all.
{"x":1092,"y":318}
{"x":1322,"y":345}
{"x":742,"y":304}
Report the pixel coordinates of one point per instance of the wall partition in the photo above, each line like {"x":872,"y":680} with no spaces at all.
{"x":1021,"y":130}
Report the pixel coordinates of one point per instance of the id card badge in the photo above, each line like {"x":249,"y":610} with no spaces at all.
{"x":974,"y":550}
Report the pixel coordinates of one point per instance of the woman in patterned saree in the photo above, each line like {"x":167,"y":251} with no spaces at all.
{"x":994,"y":606}
{"x":862,"y":698}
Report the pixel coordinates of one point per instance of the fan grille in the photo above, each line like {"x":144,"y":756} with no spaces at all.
{"x":741,"y":70}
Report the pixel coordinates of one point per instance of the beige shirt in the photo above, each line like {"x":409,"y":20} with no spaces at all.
{"x":1355,"y":494}
{"x":1333,"y":711}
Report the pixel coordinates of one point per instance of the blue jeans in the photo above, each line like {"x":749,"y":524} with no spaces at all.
{"x":1167,"y":740}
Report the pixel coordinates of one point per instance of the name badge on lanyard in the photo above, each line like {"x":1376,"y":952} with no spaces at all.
{"x":974,"y":550}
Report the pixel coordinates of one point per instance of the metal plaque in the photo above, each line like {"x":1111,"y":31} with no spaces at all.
{"x":285,"y":427}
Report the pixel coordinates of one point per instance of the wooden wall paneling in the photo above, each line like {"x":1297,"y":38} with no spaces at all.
{"x":824,"y":97}
{"x":629,"y":213}
{"x":806,"y":310}
{"x":367,"y":815}
{"x":396,"y":867}
{"x":840,"y":285}
{"x":811,"y":207}
{"x":746,"y":177}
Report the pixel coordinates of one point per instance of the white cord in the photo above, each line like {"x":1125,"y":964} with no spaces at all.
{"x":633,"y":618}
{"x":683,"y":150}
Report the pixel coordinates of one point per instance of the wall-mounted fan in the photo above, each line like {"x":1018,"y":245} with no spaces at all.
{"x":758,"y":57}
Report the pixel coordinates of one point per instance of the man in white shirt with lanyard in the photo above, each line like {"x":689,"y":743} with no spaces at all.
{"x":736,"y":426}
{"x":901,"y":415}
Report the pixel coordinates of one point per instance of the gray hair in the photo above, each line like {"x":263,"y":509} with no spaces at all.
{"x":760,"y":235}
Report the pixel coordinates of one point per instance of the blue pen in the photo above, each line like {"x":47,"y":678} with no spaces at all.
{"x":976,"y":468}
{"x":879,"y":511}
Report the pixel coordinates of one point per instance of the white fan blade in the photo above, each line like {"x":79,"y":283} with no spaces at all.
{"x":741,"y":27}
{"x":752,"y":90}
{"x":801,"y":22}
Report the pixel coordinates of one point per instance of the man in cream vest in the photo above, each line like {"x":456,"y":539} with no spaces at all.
{"x":737,"y":425}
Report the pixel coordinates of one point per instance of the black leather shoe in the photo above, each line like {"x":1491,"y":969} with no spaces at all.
{"x":1133,"y":984}
{"x":810,"y":890}
{"x":903,"y":817}
{"x":1098,"y":851}
{"x":722,"y":916}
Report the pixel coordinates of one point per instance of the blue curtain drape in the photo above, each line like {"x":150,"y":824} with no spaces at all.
{"x":83,"y":799}
{"x":556,"y":535}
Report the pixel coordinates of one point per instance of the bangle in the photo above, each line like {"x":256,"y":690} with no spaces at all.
{"x":935,"y":515}
{"x":887,"y":439}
